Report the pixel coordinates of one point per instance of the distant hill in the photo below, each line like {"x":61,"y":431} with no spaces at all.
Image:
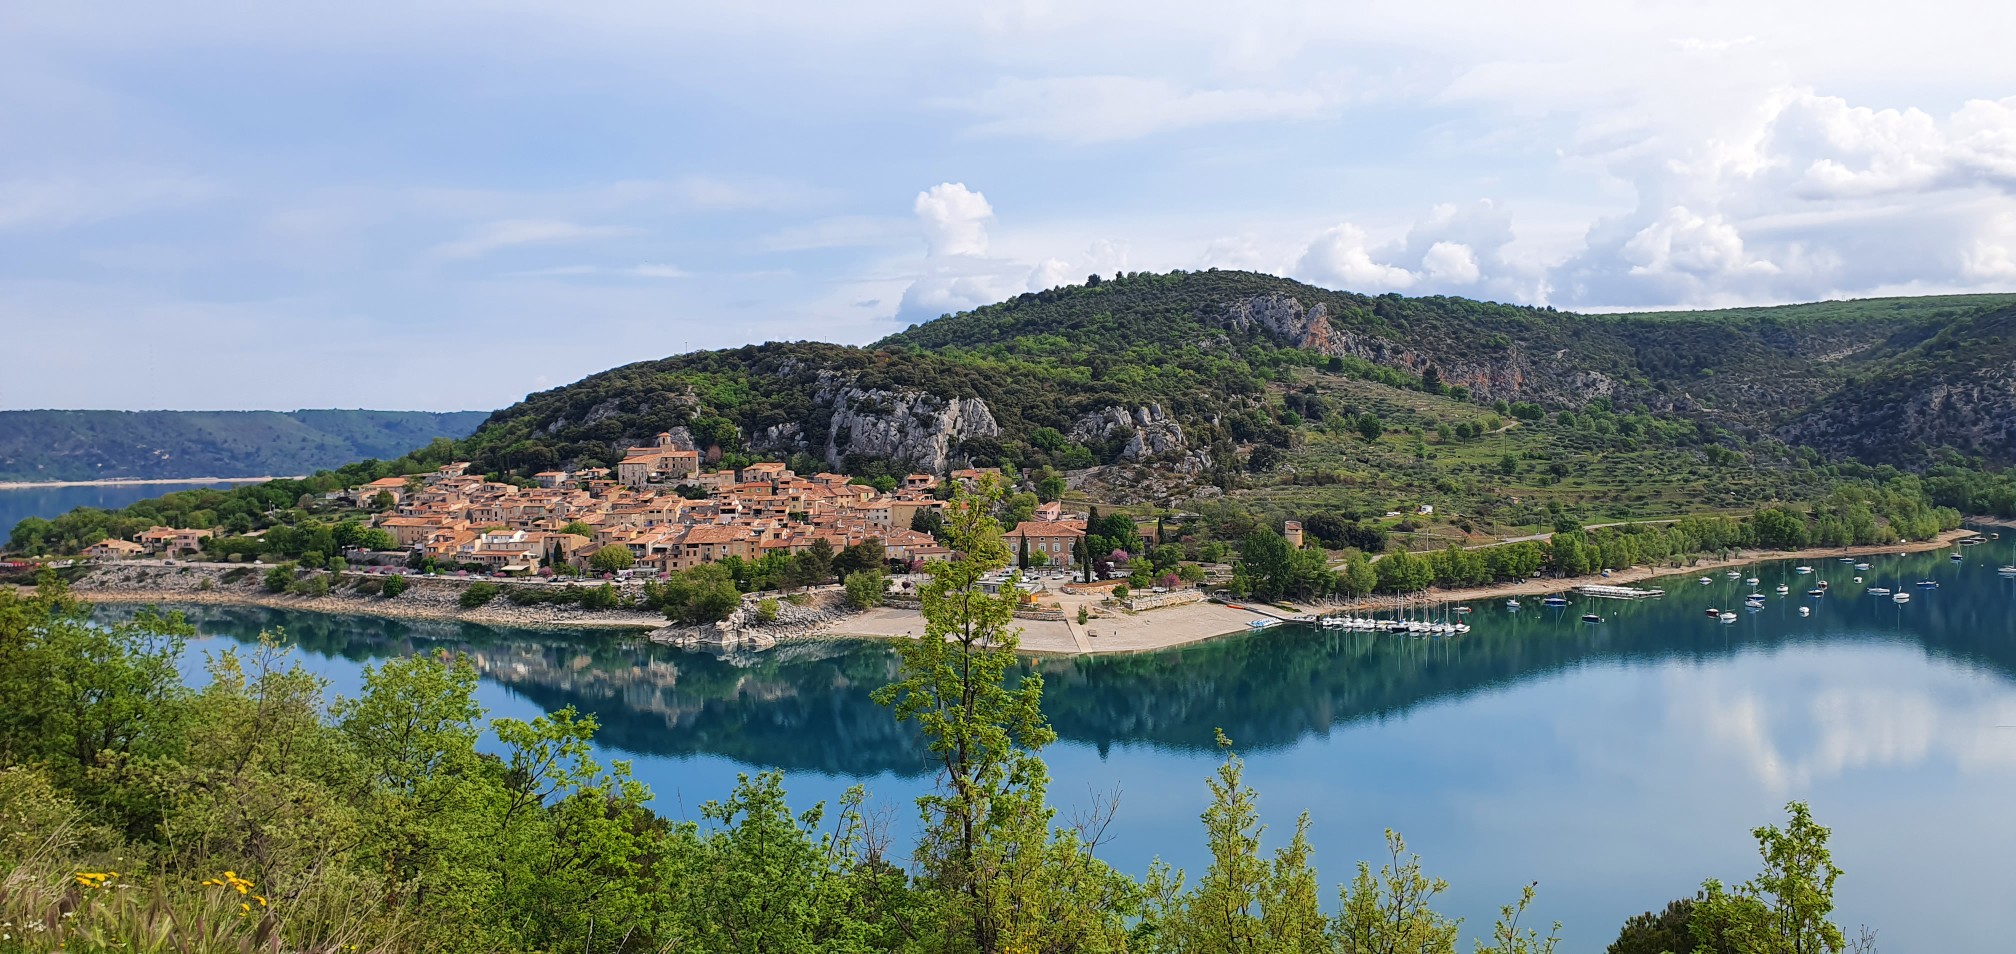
{"x":100,"y":445}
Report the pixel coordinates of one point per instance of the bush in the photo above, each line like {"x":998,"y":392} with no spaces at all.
{"x":394,"y":585}
{"x":478,"y":594}
{"x":1120,"y":592}
{"x":766,"y":611}
{"x":866,"y":588}
{"x":279,"y":578}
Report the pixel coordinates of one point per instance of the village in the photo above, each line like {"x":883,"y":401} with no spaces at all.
{"x":671,"y":515}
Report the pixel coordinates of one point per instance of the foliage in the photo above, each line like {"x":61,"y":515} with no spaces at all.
{"x":1001,"y":879}
{"x":867,"y":589}
{"x":477,"y":594}
{"x":611,"y":559}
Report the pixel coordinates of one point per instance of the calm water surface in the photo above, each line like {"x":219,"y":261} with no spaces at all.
{"x":1618,"y":764}
{"x":20,"y":503}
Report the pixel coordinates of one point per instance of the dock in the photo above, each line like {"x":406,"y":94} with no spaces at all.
{"x":1606,"y":592}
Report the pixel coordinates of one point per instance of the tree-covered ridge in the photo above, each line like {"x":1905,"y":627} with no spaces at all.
{"x":100,"y":445}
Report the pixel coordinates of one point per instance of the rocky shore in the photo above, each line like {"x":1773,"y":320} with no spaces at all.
{"x":425,"y":598}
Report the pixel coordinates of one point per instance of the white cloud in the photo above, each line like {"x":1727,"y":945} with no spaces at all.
{"x":1450,"y":263}
{"x":495,"y":236}
{"x":954,"y":219}
{"x":1340,"y":258}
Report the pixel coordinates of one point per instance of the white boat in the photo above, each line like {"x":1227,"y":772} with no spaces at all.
{"x":1805,"y":610}
{"x":1511,"y":604}
{"x":1927,"y":585}
{"x":1861,"y":566}
{"x":1727,"y":617}
{"x":1264,"y":623}
{"x":1816,"y":591}
{"x":1858,"y":579}
{"x":1555,"y":601}
{"x":1754,"y":599}
{"x":1734,"y":575}
{"x":1901,"y":597}
{"x":1782,"y":588}
{"x":1879,"y":591}
{"x":1591,"y":618}
{"x":1705,"y":581}
{"x":1802,"y":569}
{"x":1752,"y":581}
{"x":2007,"y":571}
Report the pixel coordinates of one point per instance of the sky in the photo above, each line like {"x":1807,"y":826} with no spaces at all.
{"x":440,"y":204}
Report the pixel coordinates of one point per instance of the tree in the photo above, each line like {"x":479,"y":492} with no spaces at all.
{"x":1660,"y":933}
{"x":1244,"y":901}
{"x":1050,"y":487}
{"x":1001,"y":879}
{"x":766,"y":610}
{"x":1022,"y":556}
{"x":1370,"y":427}
{"x":815,"y":563}
{"x":867,"y":589}
{"x":383,"y":500}
{"x":579,"y":529}
{"x":1393,"y":911}
{"x":1785,"y":909}
{"x":1403,"y":572}
{"x":1358,"y":578}
{"x":394,"y":585}
{"x":1265,"y":560}
{"x":612,"y":559}
{"x":867,"y":555}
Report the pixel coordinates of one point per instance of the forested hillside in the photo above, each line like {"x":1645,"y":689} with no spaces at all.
{"x":100,"y":445}
{"x":1197,"y":370}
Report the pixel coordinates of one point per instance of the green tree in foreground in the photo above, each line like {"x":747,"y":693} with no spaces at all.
{"x":998,"y":878}
{"x":1785,"y":909}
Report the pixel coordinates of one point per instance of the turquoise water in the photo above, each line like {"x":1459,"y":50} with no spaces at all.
{"x":20,"y":503}
{"x":1618,"y":764}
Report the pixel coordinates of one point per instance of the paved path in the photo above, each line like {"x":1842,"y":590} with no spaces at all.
{"x":1078,"y":635}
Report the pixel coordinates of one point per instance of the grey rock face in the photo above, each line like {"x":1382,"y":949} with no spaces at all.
{"x":906,"y":424}
{"x":1151,"y":431}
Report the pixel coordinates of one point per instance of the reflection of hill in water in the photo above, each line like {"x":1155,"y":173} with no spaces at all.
{"x":806,"y":707}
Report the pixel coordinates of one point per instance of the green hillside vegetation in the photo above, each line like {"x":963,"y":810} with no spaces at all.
{"x":138,"y":813}
{"x":102,"y":445}
{"x":1508,"y":421}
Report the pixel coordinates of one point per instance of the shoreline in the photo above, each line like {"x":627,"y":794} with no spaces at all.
{"x":135,"y":482}
{"x":514,"y":617}
{"x":1113,"y":634}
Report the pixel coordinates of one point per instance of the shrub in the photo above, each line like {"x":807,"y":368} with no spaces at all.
{"x":766,"y":611}
{"x":394,"y":585}
{"x":478,"y":594}
{"x":866,"y":588}
{"x":279,"y":578}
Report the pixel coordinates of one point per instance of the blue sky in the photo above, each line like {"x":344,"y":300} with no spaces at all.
{"x":447,"y":205}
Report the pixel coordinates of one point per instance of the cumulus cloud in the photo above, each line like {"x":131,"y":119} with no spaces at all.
{"x":1808,"y":196}
{"x":1340,"y":257}
{"x":954,"y":219}
{"x":1450,"y":263}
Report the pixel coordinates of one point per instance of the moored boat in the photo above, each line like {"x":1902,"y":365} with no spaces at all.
{"x":1901,"y":597}
{"x":1727,"y":617}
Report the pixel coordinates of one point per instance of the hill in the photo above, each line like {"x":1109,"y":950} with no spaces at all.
{"x":100,"y":445}
{"x":1196,"y":369}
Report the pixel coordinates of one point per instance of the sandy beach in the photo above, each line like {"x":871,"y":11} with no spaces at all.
{"x":1196,"y":622}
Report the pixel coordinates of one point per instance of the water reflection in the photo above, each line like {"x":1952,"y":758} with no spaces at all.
{"x":805,"y":707}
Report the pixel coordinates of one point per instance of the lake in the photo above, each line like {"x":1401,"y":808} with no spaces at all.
{"x":20,"y":503}
{"x":1618,"y":764}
